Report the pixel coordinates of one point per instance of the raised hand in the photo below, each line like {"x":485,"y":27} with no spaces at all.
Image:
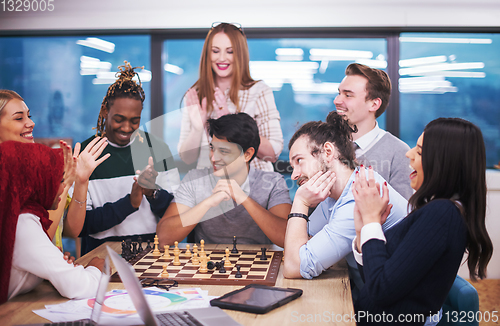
{"x":220,"y":103}
{"x":316,"y":189}
{"x":69,"y":164}
{"x":371,"y":205}
{"x":197,"y":112}
{"x":88,"y":160}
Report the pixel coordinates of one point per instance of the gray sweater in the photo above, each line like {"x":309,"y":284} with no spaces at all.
{"x":387,"y":157}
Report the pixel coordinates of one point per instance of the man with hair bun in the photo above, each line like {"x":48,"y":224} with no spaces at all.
{"x":363,"y":96}
{"x":323,"y":162}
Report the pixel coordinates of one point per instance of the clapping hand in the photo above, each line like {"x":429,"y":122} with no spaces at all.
{"x":370,"y":205}
{"x":197,"y":112}
{"x":69,"y":164}
{"x":220,"y":103}
{"x":147,"y":177}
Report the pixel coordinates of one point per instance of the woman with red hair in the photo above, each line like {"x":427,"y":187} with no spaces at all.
{"x":31,"y":183}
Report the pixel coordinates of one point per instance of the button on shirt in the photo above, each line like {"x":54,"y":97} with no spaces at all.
{"x":332,"y":227}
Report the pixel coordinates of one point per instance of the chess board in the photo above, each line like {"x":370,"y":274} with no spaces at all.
{"x":253,"y":269}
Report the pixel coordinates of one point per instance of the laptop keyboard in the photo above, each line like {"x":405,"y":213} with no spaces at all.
{"x":180,"y":318}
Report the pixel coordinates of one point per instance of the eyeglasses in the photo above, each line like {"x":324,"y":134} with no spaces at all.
{"x":162,"y":284}
{"x":237,"y":25}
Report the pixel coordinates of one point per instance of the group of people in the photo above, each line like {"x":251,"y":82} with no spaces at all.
{"x":403,"y":218}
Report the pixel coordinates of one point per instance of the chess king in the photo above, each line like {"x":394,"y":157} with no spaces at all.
{"x":323,"y":162}
{"x":231,"y":198}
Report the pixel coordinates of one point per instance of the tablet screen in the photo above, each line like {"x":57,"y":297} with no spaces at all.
{"x":260,"y":297}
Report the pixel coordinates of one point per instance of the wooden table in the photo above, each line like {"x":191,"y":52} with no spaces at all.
{"x":326,"y":299}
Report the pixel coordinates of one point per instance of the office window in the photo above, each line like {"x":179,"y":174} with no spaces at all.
{"x":303,"y":73}
{"x":63,"y":79}
{"x":450,"y":75}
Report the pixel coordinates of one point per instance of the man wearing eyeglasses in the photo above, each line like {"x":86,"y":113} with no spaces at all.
{"x":231,"y":198}
{"x":363,"y":97}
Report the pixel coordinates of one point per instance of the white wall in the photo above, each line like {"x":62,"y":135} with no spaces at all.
{"x":152,"y":14}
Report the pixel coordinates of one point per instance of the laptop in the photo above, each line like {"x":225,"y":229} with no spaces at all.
{"x":211,"y":316}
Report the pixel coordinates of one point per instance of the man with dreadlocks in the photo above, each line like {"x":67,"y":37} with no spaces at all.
{"x":114,"y":212}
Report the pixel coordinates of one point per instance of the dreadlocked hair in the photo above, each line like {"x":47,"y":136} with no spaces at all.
{"x":123,"y":87}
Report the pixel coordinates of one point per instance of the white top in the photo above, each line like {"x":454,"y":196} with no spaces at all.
{"x":257,"y":102}
{"x":368,"y":232}
{"x":36,"y":258}
{"x":369,"y":139}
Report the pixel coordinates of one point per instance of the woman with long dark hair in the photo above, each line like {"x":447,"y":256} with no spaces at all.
{"x":409,"y":270}
{"x":225,"y":86}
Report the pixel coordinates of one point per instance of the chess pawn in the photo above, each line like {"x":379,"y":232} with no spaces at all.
{"x":203,"y":266}
{"x":164,"y":274}
{"x":176,"y":249}
{"x":188,"y":252}
{"x":177,"y":262}
{"x":195,"y":248}
{"x":166,"y":254}
{"x":195,"y":261}
{"x":227,"y":263}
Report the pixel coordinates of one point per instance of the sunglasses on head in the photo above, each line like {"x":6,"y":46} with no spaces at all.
{"x":236,"y":25}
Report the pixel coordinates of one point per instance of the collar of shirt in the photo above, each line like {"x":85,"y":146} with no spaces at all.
{"x":369,"y":139}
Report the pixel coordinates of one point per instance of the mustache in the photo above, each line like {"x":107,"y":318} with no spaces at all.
{"x":299,"y":180}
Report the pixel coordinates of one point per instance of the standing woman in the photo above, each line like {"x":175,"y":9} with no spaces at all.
{"x":224,"y":87}
{"x":410,"y":269}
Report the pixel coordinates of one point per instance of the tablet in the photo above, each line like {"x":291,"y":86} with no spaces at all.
{"x":256,"y":298}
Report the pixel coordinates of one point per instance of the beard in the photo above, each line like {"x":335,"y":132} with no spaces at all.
{"x":323,"y":168}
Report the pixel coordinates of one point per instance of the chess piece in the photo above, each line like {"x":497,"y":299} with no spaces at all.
{"x":234,"y":250}
{"x":156,"y":252}
{"x":139,"y":242}
{"x":134,"y":250}
{"x":177,"y":262}
{"x":164,"y":274}
{"x":195,"y":261}
{"x":203,"y":266}
{"x":222,"y":270}
{"x":148,"y":247}
{"x":238,"y":273}
{"x":166,"y":254}
{"x":210,"y":264}
{"x":227,"y":263}
{"x":202,"y":245}
{"x":188,"y":252}
{"x":263,"y":256}
{"x":195,"y":248}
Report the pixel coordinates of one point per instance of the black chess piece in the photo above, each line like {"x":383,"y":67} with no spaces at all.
{"x":124,"y":250}
{"x":222,"y":269}
{"x":238,"y":273}
{"x":210,"y":265}
{"x":139,"y":242}
{"x":134,"y":250}
{"x":148,"y":247}
{"x":263,"y":255}
{"x":234,"y":250}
